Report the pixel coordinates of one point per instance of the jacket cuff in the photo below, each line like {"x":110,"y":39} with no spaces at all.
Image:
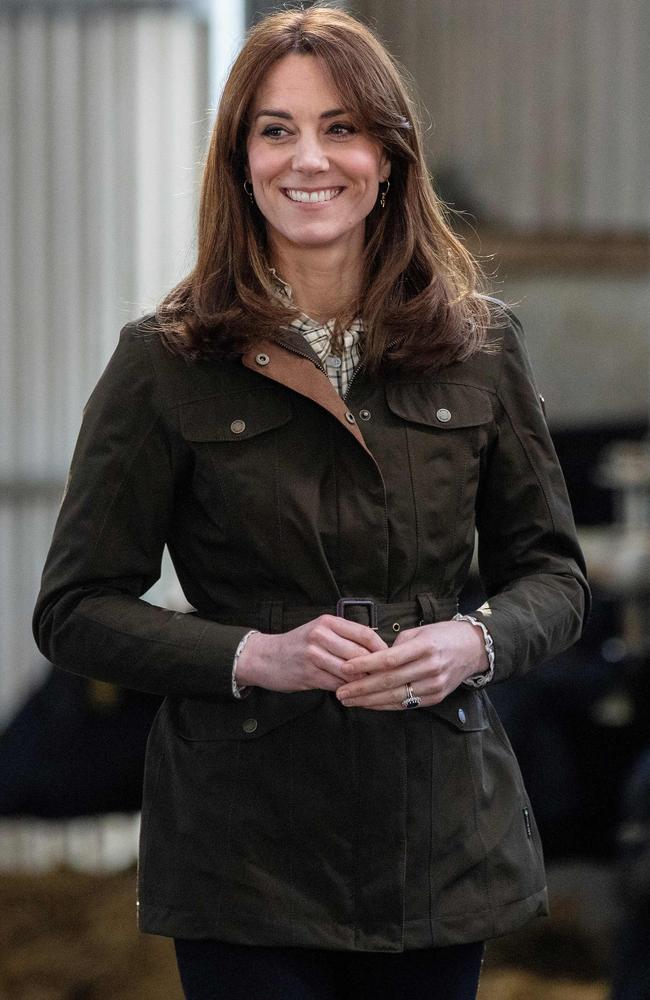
{"x":502,"y":630}
{"x":216,"y":652}
{"x":482,"y":678}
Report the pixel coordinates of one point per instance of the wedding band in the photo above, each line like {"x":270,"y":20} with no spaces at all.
{"x":411,"y":700}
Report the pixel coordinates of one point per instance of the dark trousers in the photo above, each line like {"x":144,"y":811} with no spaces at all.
{"x":214,"y":970}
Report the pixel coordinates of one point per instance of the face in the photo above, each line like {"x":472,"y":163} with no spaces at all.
{"x":315,"y":172}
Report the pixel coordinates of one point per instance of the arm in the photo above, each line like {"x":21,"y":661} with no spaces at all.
{"x":530,"y":562}
{"x":107,"y":547}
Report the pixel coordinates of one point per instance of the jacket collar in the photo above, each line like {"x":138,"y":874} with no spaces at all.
{"x":293,"y":364}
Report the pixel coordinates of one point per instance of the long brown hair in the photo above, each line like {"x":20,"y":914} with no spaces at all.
{"x":419,"y":292}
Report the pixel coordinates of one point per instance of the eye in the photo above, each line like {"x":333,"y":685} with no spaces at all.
{"x":275,"y":131}
{"x":342,"y":128}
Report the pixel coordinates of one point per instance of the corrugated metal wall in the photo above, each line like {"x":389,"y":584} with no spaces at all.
{"x":103,"y":116}
{"x":539,"y":107}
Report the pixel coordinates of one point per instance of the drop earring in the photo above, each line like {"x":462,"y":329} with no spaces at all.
{"x":382,"y":196}
{"x":249,"y":193}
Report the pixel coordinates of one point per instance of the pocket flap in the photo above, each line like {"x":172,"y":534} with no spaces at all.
{"x":444,"y":405}
{"x":248,"y":719}
{"x":234,"y":417}
{"x":463,"y":709}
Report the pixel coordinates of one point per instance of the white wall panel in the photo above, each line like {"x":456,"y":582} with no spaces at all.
{"x":8,"y":181}
{"x":103,"y":121}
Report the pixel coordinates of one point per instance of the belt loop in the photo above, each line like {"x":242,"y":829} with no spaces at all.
{"x":427,"y":608}
{"x":271,"y":616}
{"x":436,"y":609}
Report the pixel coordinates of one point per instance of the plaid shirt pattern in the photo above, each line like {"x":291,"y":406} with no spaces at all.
{"x":339,"y":368}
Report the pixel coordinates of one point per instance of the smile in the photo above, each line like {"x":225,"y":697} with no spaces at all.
{"x":312,"y":197}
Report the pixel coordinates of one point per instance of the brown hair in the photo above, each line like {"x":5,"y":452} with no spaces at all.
{"x":419,"y":300}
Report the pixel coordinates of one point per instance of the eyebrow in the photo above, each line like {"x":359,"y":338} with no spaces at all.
{"x":274,"y":113}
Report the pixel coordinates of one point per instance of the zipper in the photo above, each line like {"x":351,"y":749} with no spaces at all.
{"x":301,"y":354}
{"x":318,"y":364}
{"x":362,"y":365}
{"x":354,"y":374}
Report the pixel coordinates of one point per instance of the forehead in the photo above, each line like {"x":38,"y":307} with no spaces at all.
{"x":294,"y":82}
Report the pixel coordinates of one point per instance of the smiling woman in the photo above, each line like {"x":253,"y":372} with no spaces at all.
{"x":314,"y":106}
{"x":310,"y":153}
{"x":316,"y":422}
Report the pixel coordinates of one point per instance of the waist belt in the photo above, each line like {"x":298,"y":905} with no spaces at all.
{"x":388,"y":619}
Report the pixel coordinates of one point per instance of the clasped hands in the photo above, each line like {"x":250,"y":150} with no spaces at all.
{"x":335,"y":654}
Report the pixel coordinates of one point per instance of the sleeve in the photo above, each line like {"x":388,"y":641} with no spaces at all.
{"x":530,"y":562}
{"x":107,"y":548}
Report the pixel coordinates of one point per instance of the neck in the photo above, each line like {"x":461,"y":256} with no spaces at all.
{"x":323,"y":280}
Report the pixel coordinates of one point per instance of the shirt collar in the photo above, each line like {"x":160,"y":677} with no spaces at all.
{"x":314,"y":330}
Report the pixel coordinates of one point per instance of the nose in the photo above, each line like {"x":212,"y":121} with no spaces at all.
{"x":308,"y":155}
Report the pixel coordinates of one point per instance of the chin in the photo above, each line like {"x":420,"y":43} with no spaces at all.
{"x":315,"y":237}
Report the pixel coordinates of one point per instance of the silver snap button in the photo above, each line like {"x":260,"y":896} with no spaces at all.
{"x":262,"y":359}
{"x":443,"y":415}
{"x":396,"y":626}
{"x":249,"y":725}
{"x":461,"y":716}
{"x":364,"y":414}
{"x":350,"y":417}
{"x":334,"y":361}
{"x":238,"y":426}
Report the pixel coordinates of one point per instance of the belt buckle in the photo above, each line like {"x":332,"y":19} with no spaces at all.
{"x":358,"y":602}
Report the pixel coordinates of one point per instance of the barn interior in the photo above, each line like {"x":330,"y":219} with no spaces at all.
{"x":536,"y":125}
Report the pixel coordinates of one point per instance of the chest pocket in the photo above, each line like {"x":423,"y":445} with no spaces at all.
{"x":439,"y":406}
{"x":235,"y":417}
{"x":238,"y":443}
{"x":441,"y":428}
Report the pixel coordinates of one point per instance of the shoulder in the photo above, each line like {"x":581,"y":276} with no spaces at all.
{"x":141,"y":337}
{"x":486,"y":366}
{"x":505,"y":346}
{"x":144,"y":354}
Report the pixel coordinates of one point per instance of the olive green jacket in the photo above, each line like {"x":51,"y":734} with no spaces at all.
{"x":287,"y":818}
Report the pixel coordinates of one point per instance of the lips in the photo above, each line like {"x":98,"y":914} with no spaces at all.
{"x":312,"y":197}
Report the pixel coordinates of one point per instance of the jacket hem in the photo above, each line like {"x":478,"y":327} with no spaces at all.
{"x":462,"y":928}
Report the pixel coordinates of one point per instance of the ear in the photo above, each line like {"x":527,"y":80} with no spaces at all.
{"x":384,"y":168}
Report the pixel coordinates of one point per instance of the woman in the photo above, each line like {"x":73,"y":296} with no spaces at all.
{"x":315,"y":422}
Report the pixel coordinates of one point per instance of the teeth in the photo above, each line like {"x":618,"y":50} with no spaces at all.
{"x":313,"y":196}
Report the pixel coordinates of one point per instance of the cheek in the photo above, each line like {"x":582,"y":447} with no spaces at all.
{"x":365,"y":164}
{"x":262,"y":164}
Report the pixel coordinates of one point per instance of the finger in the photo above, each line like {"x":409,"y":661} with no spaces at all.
{"x":381,"y":683}
{"x":395,"y":705}
{"x":367,"y":638}
{"x":386,"y":660}
{"x":325,"y":681}
{"x":319,"y":660}
{"x":345,"y":649}
{"x":322,"y":680}
{"x":392,"y":707}
{"x":375,"y":699}
{"x":391,"y":686}
{"x":325,"y":649}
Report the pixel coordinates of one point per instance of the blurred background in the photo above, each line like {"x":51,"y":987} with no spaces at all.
{"x":536,"y":117}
